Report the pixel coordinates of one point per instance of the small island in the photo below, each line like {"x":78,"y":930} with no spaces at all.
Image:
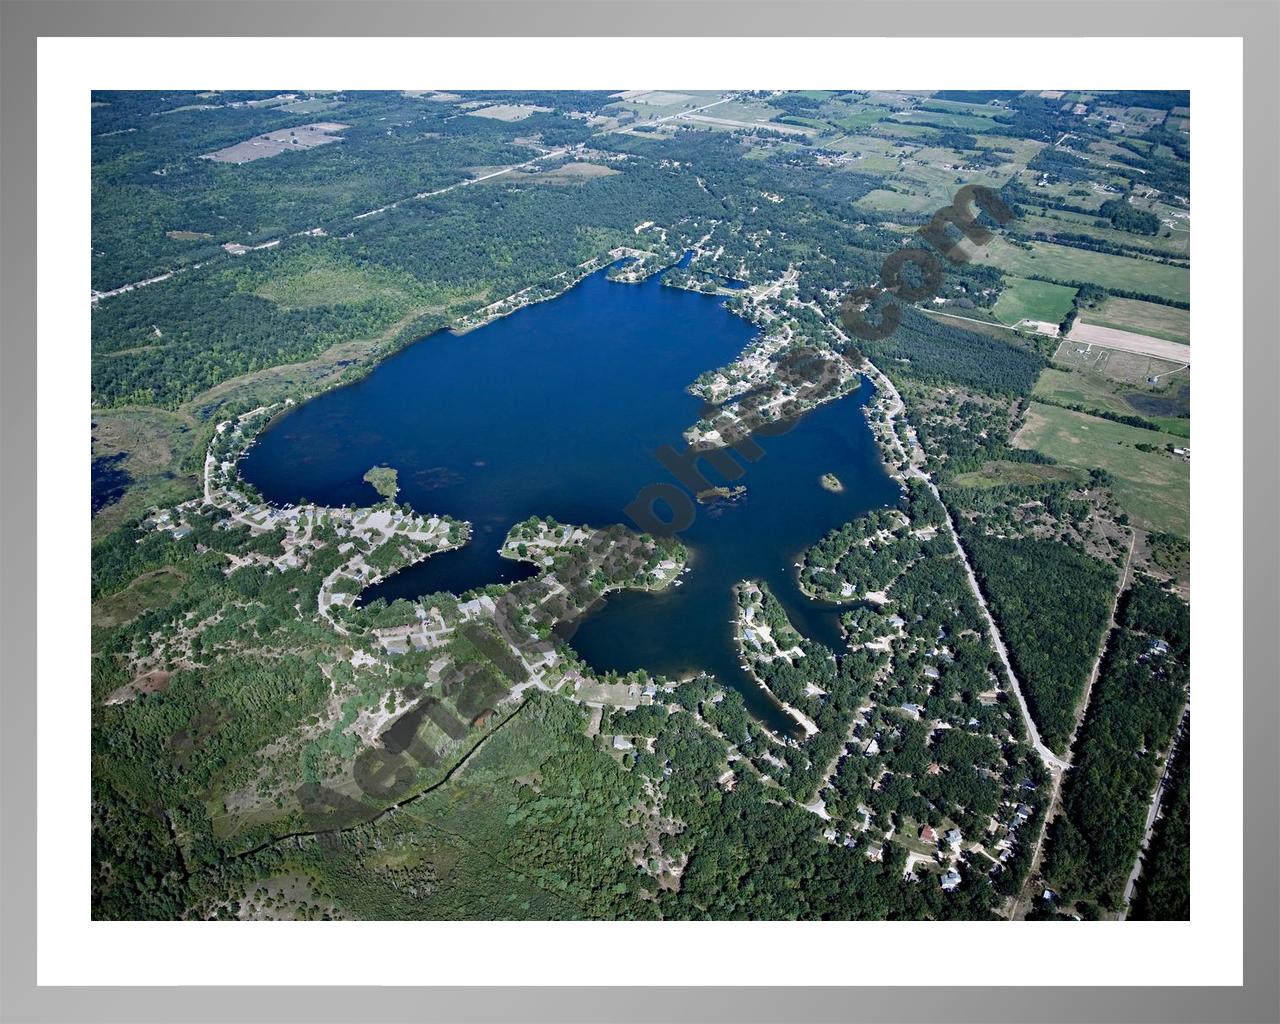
{"x":384,"y":481}
{"x":711,"y":495}
{"x":831,"y":482}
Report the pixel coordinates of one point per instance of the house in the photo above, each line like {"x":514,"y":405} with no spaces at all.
{"x":954,"y":839}
{"x":950,"y":880}
{"x":928,"y":835}
{"x":913,"y":710}
{"x":1157,"y":646}
{"x":934,"y":769}
{"x":621,"y":743}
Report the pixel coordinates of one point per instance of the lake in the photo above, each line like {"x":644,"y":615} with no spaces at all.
{"x":556,"y":410}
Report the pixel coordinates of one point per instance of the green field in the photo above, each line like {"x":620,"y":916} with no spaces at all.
{"x":961,"y":122}
{"x":315,"y":282}
{"x":1033,"y":300}
{"x":1063,"y":263}
{"x":1177,"y":245}
{"x":1001,"y":473}
{"x":1153,"y":487}
{"x":1151,"y":318}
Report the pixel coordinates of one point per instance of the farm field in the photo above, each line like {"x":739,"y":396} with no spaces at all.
{"x":1153,"y":487}
{"x":1062,"y":263}
{"x":1094,"y":391}
{"x":1150,"y":318}
{"x":1033,"y":300}
{"x":1126,"y":341}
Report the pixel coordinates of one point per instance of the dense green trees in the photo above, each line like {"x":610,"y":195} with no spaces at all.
{"x":1051,"y":604}
{"x":1164,"y":887}
{"x":1133,"y":713}
{"x":938,"y":353}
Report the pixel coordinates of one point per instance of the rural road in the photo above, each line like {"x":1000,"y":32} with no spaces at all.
{"x":1153,"y":813}
{"x":96,"y":296}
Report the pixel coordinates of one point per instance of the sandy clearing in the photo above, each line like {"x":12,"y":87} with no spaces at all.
{"x":1126,"y":341}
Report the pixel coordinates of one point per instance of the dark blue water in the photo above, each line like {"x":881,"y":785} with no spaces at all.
{"x":556,"y":410}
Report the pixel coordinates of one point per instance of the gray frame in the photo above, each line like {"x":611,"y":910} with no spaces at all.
{"x":1257,"y":21}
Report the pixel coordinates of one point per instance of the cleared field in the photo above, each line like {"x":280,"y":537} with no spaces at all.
{"x":1150,"y":318}
{"x":509,"y":111}
{"x":883,"y":199}
{"x":1033,"y":300}
{"x":961,"y":122}
{"x":999,"y":472}
{"x":1127,"y":341}
{"x":306,"y":136}
{"x":1092,"y":390}
{"x":1063,"y":263}
{"x":726,"y":122}
{"x":315,"y":285}
{"x":569,"y":173}
{"x":1154,"y":487}
{"x":147,"y":592}
{"x":1125,"y":367}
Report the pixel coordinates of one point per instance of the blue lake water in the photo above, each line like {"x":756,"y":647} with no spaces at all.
{"x":557,"y":410}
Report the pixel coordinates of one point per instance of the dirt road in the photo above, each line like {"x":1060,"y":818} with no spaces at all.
{"x":1153,"y":815}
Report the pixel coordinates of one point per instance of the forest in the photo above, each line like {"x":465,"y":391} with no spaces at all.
{"x":1052,"y":604}
{"x":1135,"y":708}
{"x":926,"y":350}
{"x":1164,"y":887}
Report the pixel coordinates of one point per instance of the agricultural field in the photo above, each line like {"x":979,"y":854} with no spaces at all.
{"x":1033,"y":300}
{"x":1064,"y":264}
{"x":509,"y":111}
{"x":269,"y":144}
{"x":1153,"y":487}
{"x":1151,"y":318}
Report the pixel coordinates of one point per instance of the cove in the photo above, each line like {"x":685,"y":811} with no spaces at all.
{"x":556,"y":410}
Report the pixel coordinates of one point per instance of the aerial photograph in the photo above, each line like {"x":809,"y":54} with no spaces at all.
{"x":656,"y":504}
